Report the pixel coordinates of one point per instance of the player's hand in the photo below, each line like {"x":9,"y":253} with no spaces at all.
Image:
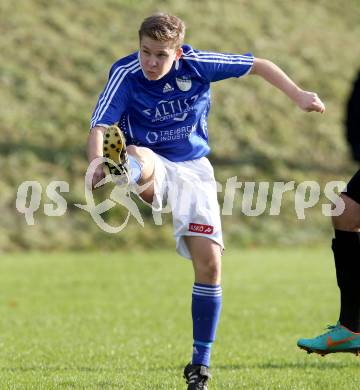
{"x":94,"y":177}
{"x":98,"y":176}
{"x":310,"y":101}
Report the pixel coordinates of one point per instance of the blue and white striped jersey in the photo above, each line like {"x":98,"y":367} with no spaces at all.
{"x":169,"y":115}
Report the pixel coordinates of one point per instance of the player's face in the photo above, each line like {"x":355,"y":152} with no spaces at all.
{"x":157,"y":58}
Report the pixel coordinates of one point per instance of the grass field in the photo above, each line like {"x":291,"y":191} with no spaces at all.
{"x":122,"y":321}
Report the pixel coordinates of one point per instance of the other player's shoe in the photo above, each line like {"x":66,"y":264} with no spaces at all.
{"x":114,"y":148}
{"x":196,"y":377}
{"x":336,"y":339}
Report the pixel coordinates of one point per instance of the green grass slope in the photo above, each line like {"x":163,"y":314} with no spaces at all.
{"x":55,"y":61}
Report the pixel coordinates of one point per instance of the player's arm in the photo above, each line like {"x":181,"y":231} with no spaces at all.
{"x":94,"y":143}
{"x":307,"y":101}
{"x":111,"y":104}
{"x":94,"y":150}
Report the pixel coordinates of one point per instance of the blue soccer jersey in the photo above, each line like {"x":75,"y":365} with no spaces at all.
{"x":168,"y":115}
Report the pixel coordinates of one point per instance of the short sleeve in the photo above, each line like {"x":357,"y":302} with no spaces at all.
{"x":113,"y":100}
{"x":218,"y":66}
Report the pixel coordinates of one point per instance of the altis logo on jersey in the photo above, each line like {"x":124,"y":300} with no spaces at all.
{"x":176,"y":110}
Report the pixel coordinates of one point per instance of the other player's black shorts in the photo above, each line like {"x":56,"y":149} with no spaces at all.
{"x":353,"y":187}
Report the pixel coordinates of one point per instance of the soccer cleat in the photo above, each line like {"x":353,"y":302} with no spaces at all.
{"x":196,"y":377}
{"x":114,"y":148}
{"x":337,"y":339}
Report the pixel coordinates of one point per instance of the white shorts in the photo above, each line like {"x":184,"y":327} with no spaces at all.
{"x":187,"y":190}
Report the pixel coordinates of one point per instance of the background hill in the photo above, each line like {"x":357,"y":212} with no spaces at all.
{"x":55,"y":57}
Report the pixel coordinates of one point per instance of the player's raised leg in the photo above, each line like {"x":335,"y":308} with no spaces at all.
{"x":144,"y":157}
{"x":206,"y":307}
{"x":129,"y":164}
{"x":118,"y":163}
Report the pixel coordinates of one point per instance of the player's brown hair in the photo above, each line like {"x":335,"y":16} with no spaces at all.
{"x":163,"y":27}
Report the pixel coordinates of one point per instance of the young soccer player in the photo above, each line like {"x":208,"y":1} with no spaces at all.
{"x":160,"y":99}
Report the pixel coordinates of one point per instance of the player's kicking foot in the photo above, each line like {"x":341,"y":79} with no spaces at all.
{"x":196,"y":377}
{"x":337,"y":339}
{"x":114,"y":148}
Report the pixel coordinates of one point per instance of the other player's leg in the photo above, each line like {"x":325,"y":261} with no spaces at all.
{"x":345,"y":335}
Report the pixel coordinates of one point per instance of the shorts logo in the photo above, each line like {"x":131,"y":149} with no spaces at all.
{"x":199,"y":228}
{"x":184,"y":83}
